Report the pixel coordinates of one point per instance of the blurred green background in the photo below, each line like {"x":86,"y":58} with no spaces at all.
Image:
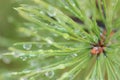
{"x":8,"y":34}
{"x":9,"y":19}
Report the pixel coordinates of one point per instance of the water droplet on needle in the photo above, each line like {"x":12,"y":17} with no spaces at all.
{"x":27,"y":46}
{"x":49,"y":74}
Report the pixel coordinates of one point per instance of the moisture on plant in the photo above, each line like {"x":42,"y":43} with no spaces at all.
{"x":63,"y":40}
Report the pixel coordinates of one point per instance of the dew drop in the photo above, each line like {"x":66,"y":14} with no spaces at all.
{"x":6,"y":60}
{"x":55,"y":35}
{"x":33,"y":63}
{"x":31,"y":55}
{"x":74,"y":55}
{"x":61,"y":66}
{"x":23,"y":78}
{"x":49,"y":74}
{"x":14,"y":73}
{"x":38,"y":69}
{"x":59,"y":21}
{"x":59,"y":28}
{"x":88,"y":13}
{"x":39,"y":45}
{"x":49,"y":40}
{"x":95,"y":38}
{"x":36,"y":39}
{"x":51,"y":12}
{"x":27,"y":46}
{"x":41,"y":12}
{"x":66,"y":36}
{"x":17,"y":54}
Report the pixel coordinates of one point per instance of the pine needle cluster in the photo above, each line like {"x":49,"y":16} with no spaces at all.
{"x":69,"y":40}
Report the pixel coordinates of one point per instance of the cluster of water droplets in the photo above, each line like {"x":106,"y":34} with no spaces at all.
{"x":23,"y":56}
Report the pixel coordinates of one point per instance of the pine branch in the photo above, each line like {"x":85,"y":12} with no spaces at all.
{"x":66,"y":49}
